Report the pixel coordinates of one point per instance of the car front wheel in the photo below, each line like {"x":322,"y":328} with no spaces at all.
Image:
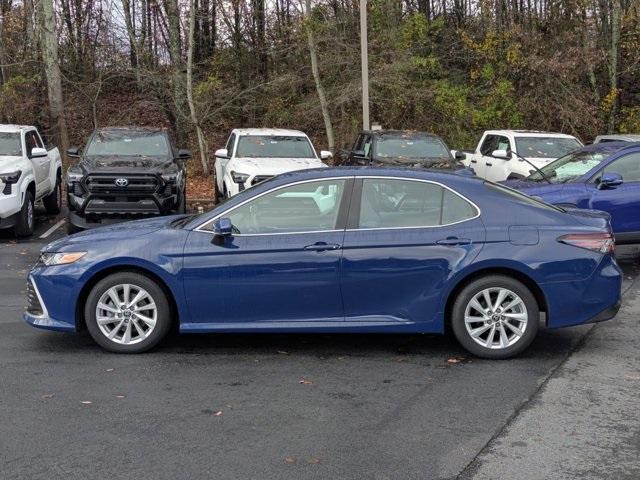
{"x":495,"y":317}
{"x":127,"y":312}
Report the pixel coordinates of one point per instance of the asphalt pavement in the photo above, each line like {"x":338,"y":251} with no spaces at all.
{"x":313,"y":406}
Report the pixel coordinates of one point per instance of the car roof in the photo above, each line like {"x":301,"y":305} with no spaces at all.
{"x":625,"y":137}
{"x":269,"y":132}
{"x":8,"y":128}
{"x":608,"y":147}
{"x":408,"y":133}
{"x":529,"y":133}
{"x":131,"y":129}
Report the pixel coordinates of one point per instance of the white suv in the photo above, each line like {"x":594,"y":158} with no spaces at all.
{"x":28,"y":172}
{"x":253,"y":155}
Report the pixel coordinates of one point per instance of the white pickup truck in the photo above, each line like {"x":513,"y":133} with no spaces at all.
{"x":29,"y":172}
{"x":497,"y":156}
{"x":253,"y":155}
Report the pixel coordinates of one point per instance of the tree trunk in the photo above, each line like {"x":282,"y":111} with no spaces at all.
{"x":316,"y":77}
{"x":175,"y":52}
{"x":202,"y":144}
{"x":613,"y":64}
{"x":52,"y":72}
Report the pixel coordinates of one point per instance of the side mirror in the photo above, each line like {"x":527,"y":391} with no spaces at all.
{"x":38,"y":152}
{"x":460,"y":155}
{"x":222,"y":228}
{"x":325,"y":154}
{"x":609,"y":180}
{"x":73,"y":152}
{"x":184,"y":154}
{"x":503,"y":154}
{"x":222,"y":153}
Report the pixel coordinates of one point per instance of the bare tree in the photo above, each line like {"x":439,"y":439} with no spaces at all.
{"x":202,"y":144}
{"x":52,"y":72}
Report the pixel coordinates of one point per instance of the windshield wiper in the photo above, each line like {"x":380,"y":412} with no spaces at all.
{"x":533,"y":165}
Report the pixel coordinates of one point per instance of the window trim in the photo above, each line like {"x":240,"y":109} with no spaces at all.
{"x":347,"y":193}
{"x":354,"y":218}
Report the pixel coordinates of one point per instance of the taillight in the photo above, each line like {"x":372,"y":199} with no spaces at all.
{"x":598,"y":242}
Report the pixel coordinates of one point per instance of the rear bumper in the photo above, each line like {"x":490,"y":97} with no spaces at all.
{"x":606,"y":314}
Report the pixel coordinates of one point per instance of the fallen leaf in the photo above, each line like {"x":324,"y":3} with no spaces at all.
{"x":48,"y":395}
{"x":86,"y":402}
{"x":218,"y":413}
{"x":282,"y":352}
{"x":455,"y":360}
{"x":119,"y":396}
{"x":632,"y":376}
{"x":313,"y":461}
{"x":290,"y":460}
{"x":109,"y":369}
{"x":304,"y":381}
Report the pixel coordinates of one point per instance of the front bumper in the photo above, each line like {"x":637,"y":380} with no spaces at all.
{"x":10,"y":205}
{"x":37,"y":314}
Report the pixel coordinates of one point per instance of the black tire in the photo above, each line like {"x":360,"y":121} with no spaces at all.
{"x":53,"y":201}
{"x":163,"y":320}
{"x":24,"y":225}
{"x":182,"y":205}
{"x":474,"y":288}
{"x":515,"y":176}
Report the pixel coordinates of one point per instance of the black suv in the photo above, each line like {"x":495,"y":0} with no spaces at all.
{"x":125,"y":173}
{"x":402,"y":148}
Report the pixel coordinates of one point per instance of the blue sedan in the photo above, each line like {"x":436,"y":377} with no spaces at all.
{"x":337,"y":250}
{"x":603,"y":176}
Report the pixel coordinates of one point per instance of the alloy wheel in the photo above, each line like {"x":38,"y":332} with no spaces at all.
{"x":496,"y":318}
{"x":126,"y":314}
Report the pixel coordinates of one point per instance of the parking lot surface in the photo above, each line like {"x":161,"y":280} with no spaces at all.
{"x":300,"y":406}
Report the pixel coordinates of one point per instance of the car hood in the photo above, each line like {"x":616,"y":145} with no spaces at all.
{"x":535,"y":188}
{"x":10,"y":163}
{"x":125,"y":164}
{"x":274,"y":166}
{"x":432,"y":163}
{"x":118,"y":231}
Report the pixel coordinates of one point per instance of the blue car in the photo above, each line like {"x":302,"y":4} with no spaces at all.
{"x":603,"y":176}
{"x":355,"y":250}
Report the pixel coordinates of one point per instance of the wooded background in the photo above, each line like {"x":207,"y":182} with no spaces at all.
{"x":202,"y":67}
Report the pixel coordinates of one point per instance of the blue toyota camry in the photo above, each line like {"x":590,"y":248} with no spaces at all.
{"x":338,"y":250}
{"x":603,"y":176}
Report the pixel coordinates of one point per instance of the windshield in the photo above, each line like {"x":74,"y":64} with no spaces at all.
{"x":258,"y":146}
{"x":570,"y":167}
{"x":10,"y":144}
{"x":422,"y":148}
{"x":133,"y":144}
{"x":545,"y":147}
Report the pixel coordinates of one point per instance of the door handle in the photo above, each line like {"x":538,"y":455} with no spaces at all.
{"x":322,"y":246}
{"x":489,"y":164}
{"x":474,"y":161}
{"x":453,"y":241}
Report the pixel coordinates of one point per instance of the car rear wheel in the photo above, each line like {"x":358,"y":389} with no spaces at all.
{"x":495,"y":317}
{"x":127,"y":313}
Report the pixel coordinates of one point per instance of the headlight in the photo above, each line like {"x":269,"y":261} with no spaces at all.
{"x":238,"y":177}
{"x":12,"y":177}
{"x":171,"y":177}
{"x":74,"y":176}
{"x":61,"y":258}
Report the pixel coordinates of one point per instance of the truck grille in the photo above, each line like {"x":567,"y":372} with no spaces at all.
{"x":260,"y":178}
{"x":33,"y":303}
{"x":135,"y":184}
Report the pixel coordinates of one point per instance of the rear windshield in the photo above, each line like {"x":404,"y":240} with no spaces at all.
{"x":10,"y":144}
{"x":415,"y":148}
{"x":133,"y":144}
{"x":259,"y":146}
{"x":545,"y":147}
{"x":521,"y":197}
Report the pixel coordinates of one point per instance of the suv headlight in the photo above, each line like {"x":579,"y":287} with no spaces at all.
{"x":74,"y":176}
{"x":238,"y":177}
{"x":56,"y":258}
{"x":11,"y":178}
{"x":171,"y":177}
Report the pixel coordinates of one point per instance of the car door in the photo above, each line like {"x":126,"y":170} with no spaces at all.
{"x":40,"y":164}
{"x":479,"y":162}
{"x":622,"y":201}
{"x":281,"y":266}
{"x":496,"y":169}
{"x":404,"y":239}
{"x":221,"y":162}
{"x":363,"y":147}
